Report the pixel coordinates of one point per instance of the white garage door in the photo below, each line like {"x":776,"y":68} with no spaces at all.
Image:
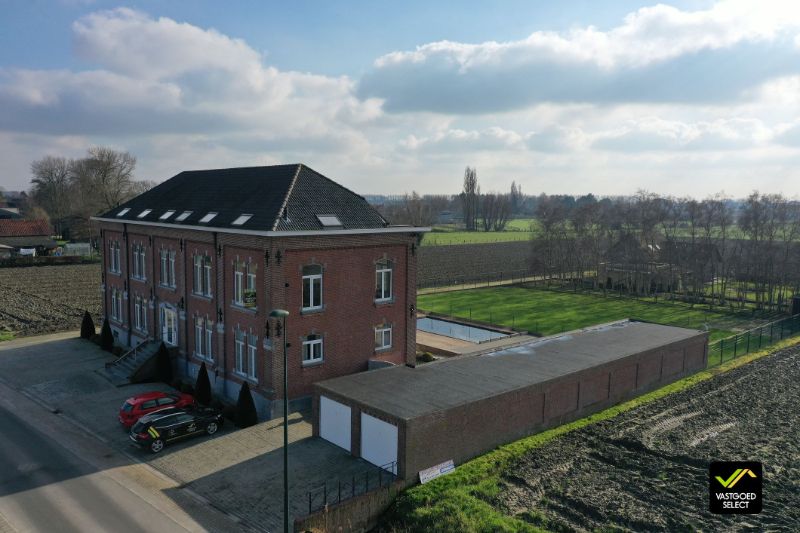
{"x":379,"y":442}
{"x":334,"y":422}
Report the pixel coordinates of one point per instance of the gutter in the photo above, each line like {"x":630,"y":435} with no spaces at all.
{"x":271,"y":233}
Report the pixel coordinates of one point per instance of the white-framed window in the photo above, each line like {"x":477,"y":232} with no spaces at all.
{"x":202,"y":275}
{"x":139,"y":262}
{"x":140,"y":313}
{"x":252,"y":343}
{"x":113,"y":257}
{"x":239,"y":350}
{"x":312,"y":287}
{"x":167,"y":268}
{"x":244,"y":284}
{"x":312,"y":349}
{"x":383,"y":337}
{"x":116,"y":304}
{"x":203,"y":336}
{"x":383,"y":280}
{"x":169,"y":326}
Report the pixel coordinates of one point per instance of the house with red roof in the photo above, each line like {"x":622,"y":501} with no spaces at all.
{"x":20,"y":235}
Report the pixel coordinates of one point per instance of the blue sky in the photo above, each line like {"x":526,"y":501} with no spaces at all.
{"x":693,"y":97}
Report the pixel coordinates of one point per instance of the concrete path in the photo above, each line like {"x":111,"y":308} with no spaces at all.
{"x":239,"y":471}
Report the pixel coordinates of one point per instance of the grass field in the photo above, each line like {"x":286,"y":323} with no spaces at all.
{"x":549,"y":312}
{"x":518,"y":229}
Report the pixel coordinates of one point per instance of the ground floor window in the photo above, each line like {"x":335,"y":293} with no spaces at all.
{"x":312,"y":349}
{"x":383,"y":337}
{"x":140,"y":313}
{"x":116,"y":304}
{"x":203,"y":337}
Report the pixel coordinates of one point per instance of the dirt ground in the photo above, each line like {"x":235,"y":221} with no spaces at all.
{"x":647,"y":470}
{"x":47,"y":299}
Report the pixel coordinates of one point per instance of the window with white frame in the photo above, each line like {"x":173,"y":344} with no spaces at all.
{"x":116,"y":304}
{"x":140,"y":313}
{"x":169,"y":326}
{"x":252,"y":343}
{"x":383,"y":280}
{"x":312,"y":287}
{"x":312,"y":349}
{"x":244,"y":284}
{"x":238,"y":340}
{"x":113,"y":257}
{"x":138,"y":261}
{"x":383,"y":337}
{"x":202,"y":275}
{"x":167,"y":268}
{"x":202,"y":337}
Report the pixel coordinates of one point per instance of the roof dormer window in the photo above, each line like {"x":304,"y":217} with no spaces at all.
{"x":144,"y":213}
{"x":329,"y":221}
{"x":123,"y":212}
{"x":241,"y":220}
{"x":183,"y":216}
{"x":167,"y":214}
{"x":208,"y":217}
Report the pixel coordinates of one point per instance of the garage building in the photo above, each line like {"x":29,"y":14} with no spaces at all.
{"x":409,"y":419}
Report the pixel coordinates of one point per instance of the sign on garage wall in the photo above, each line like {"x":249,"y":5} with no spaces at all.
{"x":334,"y":422}
{"x":379,"y":442}
{"x":436,"y":471}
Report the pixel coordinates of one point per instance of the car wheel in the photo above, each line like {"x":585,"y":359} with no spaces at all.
{"x":212,"y":428}
{"x":157,"y":445}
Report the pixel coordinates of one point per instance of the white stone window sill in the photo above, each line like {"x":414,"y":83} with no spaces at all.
{"x":315,"y":362}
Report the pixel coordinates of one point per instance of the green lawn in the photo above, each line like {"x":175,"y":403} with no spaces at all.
{"x":517,"y":229}
{"x":6,"y":336}
{"x":548,"y":312}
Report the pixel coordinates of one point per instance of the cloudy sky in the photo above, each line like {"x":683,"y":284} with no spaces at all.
{"x":690,"y":97}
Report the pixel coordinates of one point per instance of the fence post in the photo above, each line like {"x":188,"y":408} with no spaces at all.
{"x":721,"y":349}
{"x":735,"y":345}
{"x":782,"y":321}
{"x":771,"y":325}
{"x":748,"y":341}
{"x":760,"y":331}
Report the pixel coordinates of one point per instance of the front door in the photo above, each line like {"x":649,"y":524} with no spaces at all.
{"x":169,"y":326}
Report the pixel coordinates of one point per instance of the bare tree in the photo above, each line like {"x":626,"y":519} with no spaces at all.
{"x":469,"y":198}
{"x":50,"y":188}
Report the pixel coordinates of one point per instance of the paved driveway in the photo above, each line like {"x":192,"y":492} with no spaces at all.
{"x":240,"y":471}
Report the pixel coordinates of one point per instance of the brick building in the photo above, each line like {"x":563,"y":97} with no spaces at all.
{"x":200,"y":260}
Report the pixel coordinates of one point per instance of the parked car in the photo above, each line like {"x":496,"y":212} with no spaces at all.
{"x":155,"y":430}
{"x":136,"y":407}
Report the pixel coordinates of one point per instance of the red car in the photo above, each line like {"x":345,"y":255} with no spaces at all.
{"x":136,"y":407}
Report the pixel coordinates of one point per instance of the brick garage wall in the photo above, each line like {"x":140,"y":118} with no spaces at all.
{"x":469,"y":430}
{"x":440,"y":265}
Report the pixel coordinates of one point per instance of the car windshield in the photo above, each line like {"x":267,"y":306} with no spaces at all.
{"x":127,"y":407}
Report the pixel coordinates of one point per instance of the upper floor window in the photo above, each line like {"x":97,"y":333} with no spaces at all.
{"x":312,"y":349}
{"x":168,"y":268}
{"x":244,"y":284}
{"x":138,"y":261}
{"x":383,"y":280}
{"x":312,"y":287}
{"x":113,"y":257}
{"x":383,"y":337}
{"x":203,"y":336}
{"x":202,"y":275}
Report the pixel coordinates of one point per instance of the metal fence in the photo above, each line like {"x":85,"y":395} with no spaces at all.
{"x":333,"y":492}
{"x":752,"y":340}
{"x":485,"y":279}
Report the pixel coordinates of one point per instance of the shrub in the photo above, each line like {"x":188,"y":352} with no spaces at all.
{"x":426,"y":357}
{"x":87,"y":326}
{"x":246,"y":414}
{"x":106,"y":337}
{"x":163,"y":365}
{"x":202,"y":387}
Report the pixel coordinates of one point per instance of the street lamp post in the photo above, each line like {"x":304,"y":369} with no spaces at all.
{"x":282,"y":314}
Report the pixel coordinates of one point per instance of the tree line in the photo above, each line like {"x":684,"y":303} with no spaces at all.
{"x":715,"y":251}
{"x":69,"y":191}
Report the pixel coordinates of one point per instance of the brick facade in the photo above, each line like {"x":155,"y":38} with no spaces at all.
{"x":346,"y":322}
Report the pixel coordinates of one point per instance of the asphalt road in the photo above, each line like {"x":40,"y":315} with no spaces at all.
{"x":53,"y":477}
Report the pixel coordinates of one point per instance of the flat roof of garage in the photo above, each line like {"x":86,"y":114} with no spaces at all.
{"x":404,"y":392}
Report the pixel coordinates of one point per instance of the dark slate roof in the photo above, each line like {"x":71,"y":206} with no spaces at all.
{"x":407,"y":393}
{"x":280,"y":198}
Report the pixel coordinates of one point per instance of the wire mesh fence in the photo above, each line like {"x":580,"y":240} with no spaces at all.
{"x":337,"y":491}
{"x":752,"y":340}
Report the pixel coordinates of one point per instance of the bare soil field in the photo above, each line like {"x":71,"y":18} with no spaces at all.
{"x":647,"y":469}
{"x":46,"y":299}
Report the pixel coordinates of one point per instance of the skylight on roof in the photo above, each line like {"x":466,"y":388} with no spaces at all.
{"x":167,"y":214}
{"x":241,"y":220}
{"x":183,"y":216}
{"x":208,"y":218}
{"x":329,"y":221}
{"x":122,"y":213}
{"x":144,"y":213}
